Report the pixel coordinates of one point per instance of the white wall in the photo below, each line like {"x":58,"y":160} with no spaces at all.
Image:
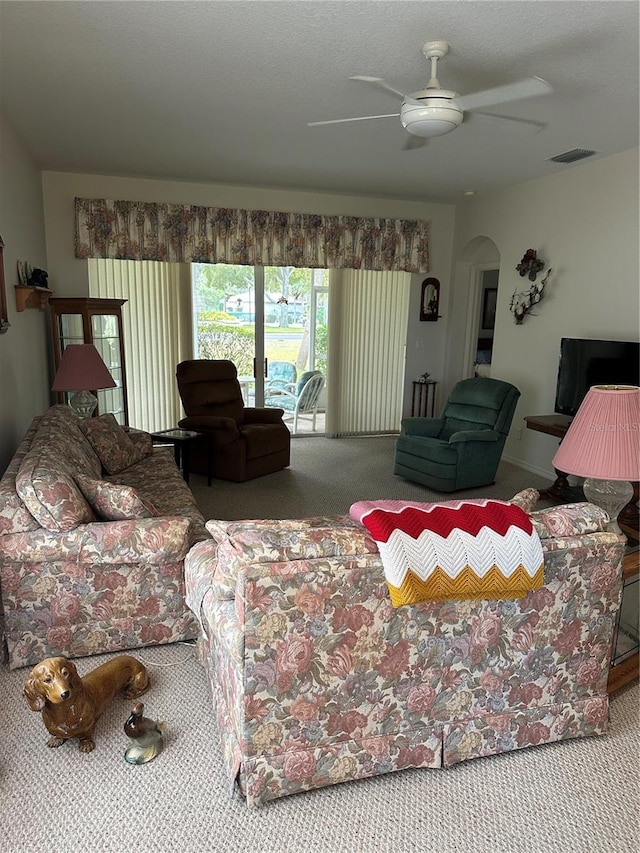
{"x":24,"y":372}
{"x":583,"y":221}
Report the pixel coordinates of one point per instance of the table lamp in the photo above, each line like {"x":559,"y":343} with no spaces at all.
{"x":603,"y":445}
{"x":82,"y":370}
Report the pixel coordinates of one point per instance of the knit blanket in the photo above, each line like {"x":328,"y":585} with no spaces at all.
{"x":474,"y":549}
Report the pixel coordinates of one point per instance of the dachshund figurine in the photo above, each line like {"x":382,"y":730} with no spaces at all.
{"x":71,"y":706}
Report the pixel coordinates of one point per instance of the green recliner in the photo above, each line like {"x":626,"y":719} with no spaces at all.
{"x":462,"y":448}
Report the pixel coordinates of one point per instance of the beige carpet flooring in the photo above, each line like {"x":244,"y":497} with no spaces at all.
{"x":579,"y":796}
{"x":327,"y":475}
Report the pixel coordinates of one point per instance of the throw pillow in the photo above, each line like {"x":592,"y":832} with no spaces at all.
{"x":568,"y":520}
{"x":111,"y":443}
{"x":113,"y":502}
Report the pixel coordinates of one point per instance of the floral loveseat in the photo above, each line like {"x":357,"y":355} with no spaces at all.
{"x":318,"y":679}
{"x":93,"y":562}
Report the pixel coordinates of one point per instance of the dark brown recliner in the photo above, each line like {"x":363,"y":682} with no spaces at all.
{"x":247,"y":442}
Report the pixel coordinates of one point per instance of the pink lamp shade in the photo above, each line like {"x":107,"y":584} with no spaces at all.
{"x":603,"y":441}
{"x":82,"y":369}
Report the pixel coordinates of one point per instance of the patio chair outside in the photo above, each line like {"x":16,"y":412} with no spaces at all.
{"x":304,"y":402}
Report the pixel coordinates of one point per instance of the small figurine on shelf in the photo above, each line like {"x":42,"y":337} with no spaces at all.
{"x":424,"y":377}
{"x":38,"y":278}
{"x":146,"y":737}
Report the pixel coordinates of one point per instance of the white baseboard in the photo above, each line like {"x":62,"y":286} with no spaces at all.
{"x":533,"y":469}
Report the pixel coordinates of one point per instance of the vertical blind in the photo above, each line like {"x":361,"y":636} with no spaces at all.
{"x":368,"y":314}
{"x":157,"y":330}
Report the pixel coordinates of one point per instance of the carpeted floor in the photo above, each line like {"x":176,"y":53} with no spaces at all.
{"x":579,"y":796}
{"x":327,"y":475}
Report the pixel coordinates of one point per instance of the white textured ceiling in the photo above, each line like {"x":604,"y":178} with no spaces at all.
{"x":222,"y":91}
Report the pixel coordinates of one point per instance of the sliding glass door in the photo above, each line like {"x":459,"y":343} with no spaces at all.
{"x":270,"y":321}
{"x":261,"y":318}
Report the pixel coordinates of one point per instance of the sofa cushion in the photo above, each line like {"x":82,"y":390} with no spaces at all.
{"x":14,"y":515}
{"x":569,"y":520}
{"x":243,"y":543}
{"x":142,"y":440}
{"x":114,"y":447}
{"x":113,"y":502}
{"x":45,"y":480}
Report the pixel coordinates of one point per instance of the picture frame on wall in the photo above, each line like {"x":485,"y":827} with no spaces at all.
{"x":429,"y":299}
{"x":489,"y":302}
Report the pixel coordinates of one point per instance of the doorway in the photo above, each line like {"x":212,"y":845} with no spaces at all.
{"x":488,"y":295}
{"x":477,"y":285}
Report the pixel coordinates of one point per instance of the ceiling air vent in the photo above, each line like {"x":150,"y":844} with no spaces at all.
{"x":572,"y":156}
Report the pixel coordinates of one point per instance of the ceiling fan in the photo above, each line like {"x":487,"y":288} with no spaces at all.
{"x":434,"y":111}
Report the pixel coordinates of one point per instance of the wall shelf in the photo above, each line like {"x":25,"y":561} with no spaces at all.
{"x":31,"y":297}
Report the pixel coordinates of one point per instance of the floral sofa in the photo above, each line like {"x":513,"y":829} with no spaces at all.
{"x":318,"y":679}
{"x":91,"y":561}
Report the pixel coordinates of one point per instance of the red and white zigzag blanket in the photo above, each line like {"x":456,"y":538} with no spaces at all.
{"x":453,"y":550}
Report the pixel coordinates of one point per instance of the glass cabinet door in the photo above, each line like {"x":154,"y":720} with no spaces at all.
{"x":71,"y":330}
{"x":80,"y":320}
{"x":105,"y":333}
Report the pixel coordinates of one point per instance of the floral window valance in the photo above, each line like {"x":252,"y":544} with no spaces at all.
{"x":149,"y":231}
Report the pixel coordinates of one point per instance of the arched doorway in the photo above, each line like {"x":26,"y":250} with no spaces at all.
{"x":476,"y":271}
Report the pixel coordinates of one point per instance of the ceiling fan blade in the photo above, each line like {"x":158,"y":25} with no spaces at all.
{"x":412,"y":142}
{"x":357,"y":118}
{"x":379,"y":83}
{"x":539,"y":124}
{"x":526,"y":88}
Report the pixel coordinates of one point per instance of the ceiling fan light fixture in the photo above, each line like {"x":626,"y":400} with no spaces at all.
{"x":435,"y":111}
{"x":440,"y":117}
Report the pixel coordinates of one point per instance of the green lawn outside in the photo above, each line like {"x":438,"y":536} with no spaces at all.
{"x":283,"y":350}
{"x":280,"y":345}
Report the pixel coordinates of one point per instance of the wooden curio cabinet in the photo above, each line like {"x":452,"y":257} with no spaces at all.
{"x":83,"y":320}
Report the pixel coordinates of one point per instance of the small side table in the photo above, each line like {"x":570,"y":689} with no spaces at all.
{"x":182,"y":439}
{"x":423,"y":401}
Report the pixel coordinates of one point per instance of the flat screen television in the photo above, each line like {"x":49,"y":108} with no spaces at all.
{"x":585,"y":362}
